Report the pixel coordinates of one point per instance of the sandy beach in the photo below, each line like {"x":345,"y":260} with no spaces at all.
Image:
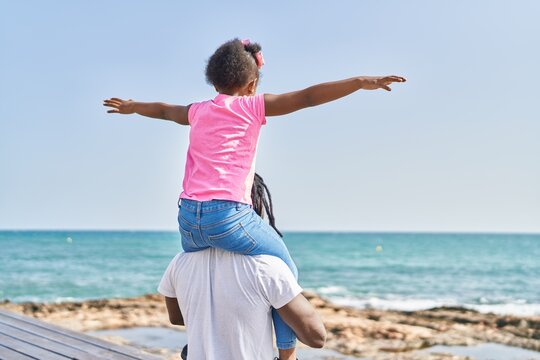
{"x":361,"y":333}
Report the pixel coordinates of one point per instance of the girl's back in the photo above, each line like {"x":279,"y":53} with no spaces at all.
{"x":223,"y":139}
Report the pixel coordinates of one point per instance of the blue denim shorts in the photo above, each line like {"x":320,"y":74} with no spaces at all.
{"x":231,"y":226}
{"x":217,"y":223}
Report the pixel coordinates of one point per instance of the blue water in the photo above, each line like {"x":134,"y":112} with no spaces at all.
{"x":499,"y":273}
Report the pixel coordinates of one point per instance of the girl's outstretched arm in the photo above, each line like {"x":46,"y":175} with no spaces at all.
{"x":322,"y":93}
{"x":157,"y":110}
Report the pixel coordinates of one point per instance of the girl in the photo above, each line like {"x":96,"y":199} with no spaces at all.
{"x":215,"y":205}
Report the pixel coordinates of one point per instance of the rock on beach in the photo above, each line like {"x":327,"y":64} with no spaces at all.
{"x":370,"y":333}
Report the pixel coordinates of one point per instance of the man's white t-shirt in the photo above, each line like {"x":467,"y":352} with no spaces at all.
{"x":226,"y":301}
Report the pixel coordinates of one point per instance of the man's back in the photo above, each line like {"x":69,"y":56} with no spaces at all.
{"x":225,"y":299}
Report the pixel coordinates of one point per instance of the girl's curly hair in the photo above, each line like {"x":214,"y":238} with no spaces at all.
{"x":233,"y":65}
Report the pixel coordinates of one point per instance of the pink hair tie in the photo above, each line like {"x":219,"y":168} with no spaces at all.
{"x":259,"y":59}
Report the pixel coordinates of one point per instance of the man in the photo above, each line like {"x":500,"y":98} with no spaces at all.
{"x":226,"y":299}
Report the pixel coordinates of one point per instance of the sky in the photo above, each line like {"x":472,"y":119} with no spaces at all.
{"x":454,"y":149}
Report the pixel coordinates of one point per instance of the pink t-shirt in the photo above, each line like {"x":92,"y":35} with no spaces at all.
{"x":223,"y":139}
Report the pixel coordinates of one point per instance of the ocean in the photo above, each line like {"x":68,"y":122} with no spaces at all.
{"x":488,"y":272}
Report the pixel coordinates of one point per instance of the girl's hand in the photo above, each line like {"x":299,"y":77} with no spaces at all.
{"x":156,"y":110}
{"x":119,"y":106}
{"x":380,"y":82}
{"x":287,"y":103}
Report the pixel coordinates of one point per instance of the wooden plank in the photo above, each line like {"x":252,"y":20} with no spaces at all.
{"x":7,"y":353}
{"x":46,"y":343}
{"x":81,"y":341}
{"x":44,"y":332}
{"x":29,"y":350}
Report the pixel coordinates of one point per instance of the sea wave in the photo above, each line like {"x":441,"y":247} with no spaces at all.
{"x":331,"y":290}
{"x":401,"y":304}
{"x":517,"y":308}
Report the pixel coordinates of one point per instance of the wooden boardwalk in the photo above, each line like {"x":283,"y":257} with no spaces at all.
{"x":25,"y":338}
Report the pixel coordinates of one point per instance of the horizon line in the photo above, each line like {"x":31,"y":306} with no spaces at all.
{"x":456,"y":232}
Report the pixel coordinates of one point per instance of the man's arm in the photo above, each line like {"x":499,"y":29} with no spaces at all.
{"x":175,"y":315}
{"x":322,"y":93}
{"x":157,"y":110}
{"x":300,"y":315}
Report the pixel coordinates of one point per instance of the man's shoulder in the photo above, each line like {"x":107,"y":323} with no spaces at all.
{"x":269,"y":261}
{"x":273,"y":270}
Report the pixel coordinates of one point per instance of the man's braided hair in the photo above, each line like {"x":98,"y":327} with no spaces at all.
{"x":262,"y":201}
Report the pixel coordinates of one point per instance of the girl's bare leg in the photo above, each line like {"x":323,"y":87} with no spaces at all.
{"x":287,"y":354}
